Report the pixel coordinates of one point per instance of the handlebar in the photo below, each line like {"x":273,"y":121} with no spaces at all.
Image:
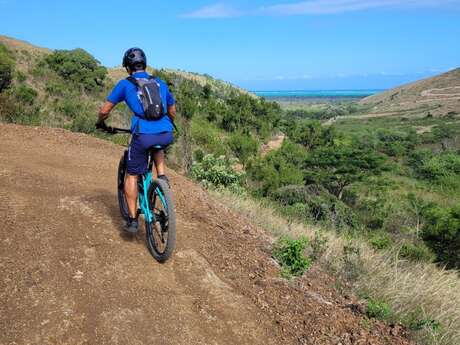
{"x":111,"y":130}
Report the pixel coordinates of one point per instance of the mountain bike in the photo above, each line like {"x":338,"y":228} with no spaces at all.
{"x":154,"y":204}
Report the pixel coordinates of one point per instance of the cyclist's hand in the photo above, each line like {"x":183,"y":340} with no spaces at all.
{"x":101,"y":125}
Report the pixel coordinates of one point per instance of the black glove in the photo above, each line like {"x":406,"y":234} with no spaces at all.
{"x":101,"y":125}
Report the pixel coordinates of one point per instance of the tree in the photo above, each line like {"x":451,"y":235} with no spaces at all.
{"x":79,"y":67}
{"x":311,"y":134}
{"x":337,"y":167}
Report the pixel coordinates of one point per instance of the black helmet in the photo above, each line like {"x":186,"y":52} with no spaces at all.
{"x":134,"y":59}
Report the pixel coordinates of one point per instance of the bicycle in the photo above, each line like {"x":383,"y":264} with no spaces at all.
{"x":154,"y":203}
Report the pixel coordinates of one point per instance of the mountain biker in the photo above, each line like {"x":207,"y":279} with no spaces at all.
{"x":145,"y":133}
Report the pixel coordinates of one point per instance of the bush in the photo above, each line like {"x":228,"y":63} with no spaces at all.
{"x":217,"y":172}
{"x":6,"y":68}
{"x":244,"y":146}
{"x":25,"y":94}
{"x":314,"y":203}
{"x":290,"y":254}
{"x":380,"y":241}
{"x":208,"y":137}
{"x":79,"y":67}
{"x":378,"y":309}
{"x":395,"y":143}
{"x":442,"y":169}
{"x":311,"y":134}
{"x":417,"y":252}
{"x":441,"y":233}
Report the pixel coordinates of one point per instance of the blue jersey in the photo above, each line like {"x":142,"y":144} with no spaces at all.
{"x":127,"y":91}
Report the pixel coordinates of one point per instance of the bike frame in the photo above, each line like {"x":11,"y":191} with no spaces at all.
{"x":143,"y":189}
{"x":144,"y":182}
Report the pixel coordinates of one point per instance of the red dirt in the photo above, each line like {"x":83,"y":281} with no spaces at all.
{"x":69,"y":276}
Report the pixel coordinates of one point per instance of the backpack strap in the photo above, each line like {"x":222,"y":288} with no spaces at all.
{"x":133,"y":80}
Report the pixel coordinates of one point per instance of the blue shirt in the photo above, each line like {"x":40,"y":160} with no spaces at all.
{"x":127,"y":91}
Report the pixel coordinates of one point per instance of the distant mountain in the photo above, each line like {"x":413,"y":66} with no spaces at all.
{"x":438,"y":96}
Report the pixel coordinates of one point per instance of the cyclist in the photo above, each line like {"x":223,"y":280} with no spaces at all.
{"x":145,"y":133}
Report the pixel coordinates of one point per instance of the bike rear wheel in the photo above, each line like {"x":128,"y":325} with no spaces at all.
{"x":121,"y":187}
{"x":161,"y":232}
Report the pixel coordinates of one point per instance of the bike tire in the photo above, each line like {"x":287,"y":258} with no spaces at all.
{"x":166,"y":222}
{"x":121,"y":188}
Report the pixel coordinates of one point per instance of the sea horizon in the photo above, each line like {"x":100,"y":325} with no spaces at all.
{"x":322,"y":93}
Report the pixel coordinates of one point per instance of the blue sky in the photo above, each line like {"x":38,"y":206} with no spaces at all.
{"x":260,"y":45}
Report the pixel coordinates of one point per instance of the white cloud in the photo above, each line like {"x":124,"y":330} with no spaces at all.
{"x":219,"y":10}
{"x":316,"y":7}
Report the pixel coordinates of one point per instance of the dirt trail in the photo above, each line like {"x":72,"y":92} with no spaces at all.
{"x":69,"y":276}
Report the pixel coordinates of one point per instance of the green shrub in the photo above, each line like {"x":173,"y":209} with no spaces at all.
{"x":70,"y":107}
{"x":311,"y":134}
{"x":6,"y":68}
{"x":380,"y":241}
{"x":314,"y":203}
{"x":244,"y":146}
{"x":208,"y":137}
{"x":441,"y":233}
{"x":217,"y":172}
{"x":396,"y":143}
{"x":25,"y":94}
{"x":441,"y":168}
{"x":417,"y":320}
{"x":290,"y":254}
{"x":78,"y":67}
{"x":83,"y":123}
{"x":417,"y":252}
{"x":378,"y":309}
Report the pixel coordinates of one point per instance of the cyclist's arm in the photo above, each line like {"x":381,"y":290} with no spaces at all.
{"x":172,"y":111}
{"x":105,"y":110}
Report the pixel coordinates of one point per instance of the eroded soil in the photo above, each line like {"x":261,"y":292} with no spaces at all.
{"x":70,"y":276}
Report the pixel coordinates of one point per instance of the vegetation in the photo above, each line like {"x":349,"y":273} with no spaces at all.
{"x":6,"y":68}
{"x":387,"y":187}
{"x":290,"y":254}
{"x":79,"y":67}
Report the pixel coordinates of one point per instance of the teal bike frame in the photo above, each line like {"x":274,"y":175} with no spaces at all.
{"x":144,"y":185}
{"x":145,"y":182}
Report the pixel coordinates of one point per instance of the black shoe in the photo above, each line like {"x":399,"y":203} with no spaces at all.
{"x":165,"y":178}
{"x":132,"y":225}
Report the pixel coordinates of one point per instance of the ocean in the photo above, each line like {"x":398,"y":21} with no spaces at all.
{"x":316,"y":95}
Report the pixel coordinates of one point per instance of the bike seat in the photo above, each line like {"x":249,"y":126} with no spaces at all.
{"x":157,"y":147}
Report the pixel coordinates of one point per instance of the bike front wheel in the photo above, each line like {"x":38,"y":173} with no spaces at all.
{"x":121,"y":187}
{"x":161,"y":231}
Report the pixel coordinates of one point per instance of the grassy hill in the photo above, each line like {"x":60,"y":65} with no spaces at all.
{"x":65,"y":89}
{"x":438,"y":96}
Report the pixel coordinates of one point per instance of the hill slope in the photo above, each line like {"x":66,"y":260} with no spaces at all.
{"x":438,"y":95}
{"x":69,"y":276}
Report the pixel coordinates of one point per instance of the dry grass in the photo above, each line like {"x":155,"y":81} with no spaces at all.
{"x":415,"y":292}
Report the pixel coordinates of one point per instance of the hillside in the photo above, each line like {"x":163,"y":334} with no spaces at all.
{"x":71,"y":277}
{"x":439,"y":96}
{"x":370,"y":196}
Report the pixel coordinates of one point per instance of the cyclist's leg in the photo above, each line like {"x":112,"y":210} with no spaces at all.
{"x":137,"y":164}
{"x":131,"y":194}
{"x":159,"y":159}
{"x":162,"y":139}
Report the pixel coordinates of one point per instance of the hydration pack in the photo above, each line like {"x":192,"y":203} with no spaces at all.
{"x":148,"y":92}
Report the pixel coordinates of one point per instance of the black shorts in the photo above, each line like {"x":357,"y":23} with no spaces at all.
{"x":138,"y":151}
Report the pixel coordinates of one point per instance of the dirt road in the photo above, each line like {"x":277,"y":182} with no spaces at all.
{"x":69,"y":276}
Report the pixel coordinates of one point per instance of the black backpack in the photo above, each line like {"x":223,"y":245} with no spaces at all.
{"x":148,"y":91}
